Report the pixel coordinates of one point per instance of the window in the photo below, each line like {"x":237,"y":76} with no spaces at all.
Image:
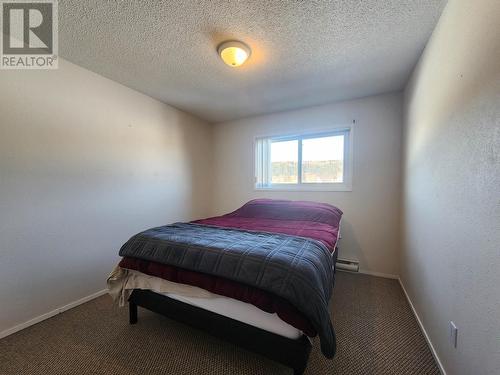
{"x":320,"y":161}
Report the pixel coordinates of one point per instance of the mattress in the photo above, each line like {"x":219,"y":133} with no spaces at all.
{"x":121,"y":282}
{"x":241,"y":311}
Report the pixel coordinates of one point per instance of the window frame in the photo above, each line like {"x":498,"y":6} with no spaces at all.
{"x":346,"y":185}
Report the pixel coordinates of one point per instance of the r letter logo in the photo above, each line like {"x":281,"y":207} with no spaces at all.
{"x":29,"y":34}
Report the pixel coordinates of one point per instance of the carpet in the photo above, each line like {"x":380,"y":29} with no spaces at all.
{"x":376,"y":334}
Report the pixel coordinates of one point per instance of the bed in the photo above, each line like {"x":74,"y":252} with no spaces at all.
{"x":260,"y":277}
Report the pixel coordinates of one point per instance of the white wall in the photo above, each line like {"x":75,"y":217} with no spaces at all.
{"x":84,"y":164}
{"x":451,"y":258}
{"x":370,"y":226}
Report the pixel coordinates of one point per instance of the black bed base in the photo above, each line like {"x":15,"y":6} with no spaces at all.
{"x":291,"y":353}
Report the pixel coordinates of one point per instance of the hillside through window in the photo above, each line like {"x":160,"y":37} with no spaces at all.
{"x":304,"y":162}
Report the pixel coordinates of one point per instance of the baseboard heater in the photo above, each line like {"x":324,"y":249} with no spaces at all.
{"x":347,"y":265}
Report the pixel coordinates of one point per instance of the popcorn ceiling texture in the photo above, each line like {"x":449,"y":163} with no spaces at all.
{"x":303,"y":53}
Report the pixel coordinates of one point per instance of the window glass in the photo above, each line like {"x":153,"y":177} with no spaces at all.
{"x":323,"y":159}
{"x":284,"y":162}
{"x":308,"y":162}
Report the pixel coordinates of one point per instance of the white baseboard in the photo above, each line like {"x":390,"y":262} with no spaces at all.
{"x":50,"y":314}
{"x":433,"y":351}
{"x":379,"y":274}
{"x":396,"y":277}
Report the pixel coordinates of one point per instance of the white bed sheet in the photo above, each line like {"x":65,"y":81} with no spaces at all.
{"x":121,"y":282}
{"x":241,"y":311}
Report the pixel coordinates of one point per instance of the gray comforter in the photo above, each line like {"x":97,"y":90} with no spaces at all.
{"x":295,"y":268}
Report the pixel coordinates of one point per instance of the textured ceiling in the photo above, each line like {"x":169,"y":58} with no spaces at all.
{"x":303,"y":52}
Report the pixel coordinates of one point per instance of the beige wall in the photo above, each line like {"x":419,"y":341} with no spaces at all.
{"x":84,"y":164}
{"x":370,"y":227}
{"x":450,"y":263}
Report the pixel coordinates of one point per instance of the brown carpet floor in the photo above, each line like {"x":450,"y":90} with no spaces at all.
{"x":376,"y":334}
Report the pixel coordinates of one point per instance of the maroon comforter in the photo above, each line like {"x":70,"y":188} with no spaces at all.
{"x":319,"y":221}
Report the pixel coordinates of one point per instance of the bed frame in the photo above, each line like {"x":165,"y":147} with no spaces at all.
{"x":289,"y":352}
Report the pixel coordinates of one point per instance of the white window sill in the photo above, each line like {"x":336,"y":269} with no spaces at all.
{"x":306,"y":187}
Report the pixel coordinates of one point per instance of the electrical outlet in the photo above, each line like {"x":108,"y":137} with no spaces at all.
{"x":453,"y":334}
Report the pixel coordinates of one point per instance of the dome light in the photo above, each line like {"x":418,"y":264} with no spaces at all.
{"x":234,"y":53}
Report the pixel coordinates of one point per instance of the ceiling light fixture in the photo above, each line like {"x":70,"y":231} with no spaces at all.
{"x":233,"y":53}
